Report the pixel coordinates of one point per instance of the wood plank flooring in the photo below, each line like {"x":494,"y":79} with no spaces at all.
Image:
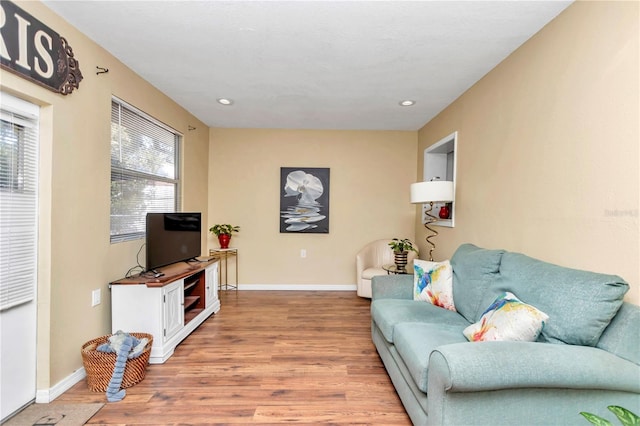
{"x":268,"y":357}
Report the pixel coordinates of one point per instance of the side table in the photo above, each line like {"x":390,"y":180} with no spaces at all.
{"x":224,"y":255}
{"x":393,"y":269}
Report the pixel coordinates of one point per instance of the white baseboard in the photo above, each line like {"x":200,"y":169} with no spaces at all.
{"x":44,"y":396}
{"x":297,"y":287}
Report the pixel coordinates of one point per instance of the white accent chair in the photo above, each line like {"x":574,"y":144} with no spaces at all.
{"x":369,"y":261}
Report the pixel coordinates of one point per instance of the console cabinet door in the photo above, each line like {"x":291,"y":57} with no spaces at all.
{"x":211,"y":283}
{"x":173,"y":309}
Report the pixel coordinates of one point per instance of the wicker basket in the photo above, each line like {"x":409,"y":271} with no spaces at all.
{"x":99,"y":365}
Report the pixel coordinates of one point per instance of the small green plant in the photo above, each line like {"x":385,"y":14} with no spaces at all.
{"x":626,"y":417}
{"x":224,"y":229}
{"x":400,"y":246}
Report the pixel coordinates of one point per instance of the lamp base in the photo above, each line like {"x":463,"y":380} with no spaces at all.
{"x":430,"y":219}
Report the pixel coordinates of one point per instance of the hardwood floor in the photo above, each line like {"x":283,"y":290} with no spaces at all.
{"x":267,"y":357}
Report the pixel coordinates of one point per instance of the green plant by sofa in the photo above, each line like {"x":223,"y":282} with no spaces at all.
{"x":402,"y":246}
{"x":401,"y":249}
{"x":626,"y":417}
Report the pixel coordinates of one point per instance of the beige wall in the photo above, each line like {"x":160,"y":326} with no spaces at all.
{"x":75,"y":254}
{"x":548,"y":165}
{"x":370,"y":176}
{"x":548,"y":146}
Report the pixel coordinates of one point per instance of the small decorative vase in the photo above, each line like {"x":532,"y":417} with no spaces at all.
{"x":444,"y":212}
{"x":224,"y":239}
{"x":401,"y":260}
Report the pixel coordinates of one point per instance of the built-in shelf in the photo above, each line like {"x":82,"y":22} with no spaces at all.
{"x":440,"y":163}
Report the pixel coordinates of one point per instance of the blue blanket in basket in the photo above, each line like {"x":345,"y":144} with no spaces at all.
{"x":126,"y":347}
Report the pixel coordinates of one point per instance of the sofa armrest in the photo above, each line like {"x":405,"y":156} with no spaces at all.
{"x":486,"y":366}
{"x":392,"y":287}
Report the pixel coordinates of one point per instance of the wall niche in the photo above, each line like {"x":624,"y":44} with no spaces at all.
{"x":440,"y":164}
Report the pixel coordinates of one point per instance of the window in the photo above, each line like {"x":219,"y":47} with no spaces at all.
{"x":18,"y":201}
{"x":144,"y":170}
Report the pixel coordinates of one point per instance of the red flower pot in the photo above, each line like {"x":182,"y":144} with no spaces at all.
{"x":224,"y":239}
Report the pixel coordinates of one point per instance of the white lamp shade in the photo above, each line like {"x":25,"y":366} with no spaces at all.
{"x":434,"y":191}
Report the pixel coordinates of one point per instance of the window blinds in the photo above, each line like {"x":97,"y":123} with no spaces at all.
{"x":18,"y":201}
{"x":144,"y":170}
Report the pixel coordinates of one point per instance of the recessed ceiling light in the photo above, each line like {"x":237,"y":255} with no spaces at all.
{"x":407,"y":102}
{"x":225,"y":101}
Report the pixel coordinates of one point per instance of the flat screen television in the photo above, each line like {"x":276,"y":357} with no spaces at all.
{"x":172,"y":237}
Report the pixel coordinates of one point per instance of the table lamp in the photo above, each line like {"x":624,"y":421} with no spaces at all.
{"x":431,"y":192}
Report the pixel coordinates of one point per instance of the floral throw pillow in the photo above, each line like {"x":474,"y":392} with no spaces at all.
{"x":508,"y":318}
{"x":433,"y":282}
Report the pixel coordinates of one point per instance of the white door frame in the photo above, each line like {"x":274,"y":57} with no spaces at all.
{"x":18,"y":324}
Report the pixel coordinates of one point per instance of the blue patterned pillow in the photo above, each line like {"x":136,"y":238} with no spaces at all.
{"x":433,"y":282}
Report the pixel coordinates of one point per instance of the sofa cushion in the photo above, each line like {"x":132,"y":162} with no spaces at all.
{"x":433,"y":283}
{"x":507,"y":319}
{"x":387,"y":313}
{"x":474,"y":269}
{"x":621,"y":337}
{"x":580,"y":304}
{"x":394,"y":286}
{"x":415,"y":342}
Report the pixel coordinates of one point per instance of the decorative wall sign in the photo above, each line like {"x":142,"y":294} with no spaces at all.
{"x":36,"y":52}
{"x":304,"y":200}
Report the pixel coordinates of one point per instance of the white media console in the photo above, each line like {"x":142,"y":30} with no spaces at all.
{"x":169,"y":307}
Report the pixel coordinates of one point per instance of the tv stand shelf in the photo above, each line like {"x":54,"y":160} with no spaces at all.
{"x":169,"y":307}
{"x":189,"y":302}
{"x":188,"y":316}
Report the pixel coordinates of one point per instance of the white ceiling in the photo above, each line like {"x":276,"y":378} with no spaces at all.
{"x":310,"y":64}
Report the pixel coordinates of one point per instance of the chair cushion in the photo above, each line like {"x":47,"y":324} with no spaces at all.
{"x":369,"y":273}
{"x":415,"y":342}
{"x":387,"y":313}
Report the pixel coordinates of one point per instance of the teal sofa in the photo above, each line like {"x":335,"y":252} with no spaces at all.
{"x":586,"y":358}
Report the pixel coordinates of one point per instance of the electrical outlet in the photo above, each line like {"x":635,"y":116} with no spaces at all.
{"x":95,"y":297}
{"x":303,"y":253}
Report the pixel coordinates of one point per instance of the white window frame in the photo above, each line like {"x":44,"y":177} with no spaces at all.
{"x":152,"y":140}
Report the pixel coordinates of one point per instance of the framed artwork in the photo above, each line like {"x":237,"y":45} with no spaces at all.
{"x":304,"y":200}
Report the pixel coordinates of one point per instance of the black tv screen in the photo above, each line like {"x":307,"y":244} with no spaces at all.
{"x":172,"y":237}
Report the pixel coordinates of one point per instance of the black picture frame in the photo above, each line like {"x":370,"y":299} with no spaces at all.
{"x":304,"y":200}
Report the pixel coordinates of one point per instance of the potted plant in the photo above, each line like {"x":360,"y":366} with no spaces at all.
{"x":223,"y":232}
{"x":401,"y":250}
{"x":626,"y":417}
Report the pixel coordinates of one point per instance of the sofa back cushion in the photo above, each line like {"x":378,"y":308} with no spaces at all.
{"x":474,"y":269}
{"x":580,"y":304}
{"x":621,"y":337}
